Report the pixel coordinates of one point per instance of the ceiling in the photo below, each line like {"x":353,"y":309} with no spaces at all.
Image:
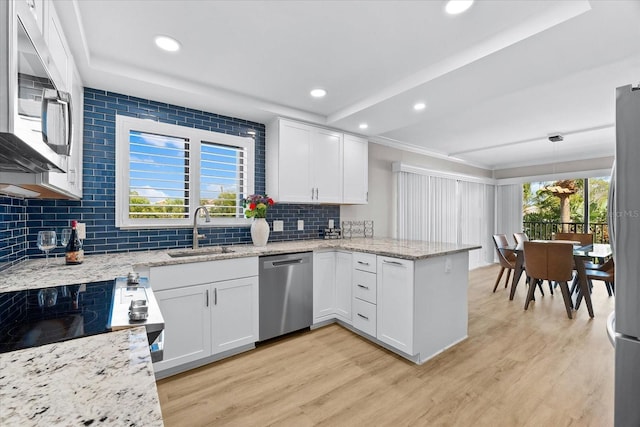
{"x":497,"y":80}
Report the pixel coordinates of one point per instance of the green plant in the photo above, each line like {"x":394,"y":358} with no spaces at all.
{"x":256,"y":205}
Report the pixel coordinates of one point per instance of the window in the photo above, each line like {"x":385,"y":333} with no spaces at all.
{"x":164,"y":172}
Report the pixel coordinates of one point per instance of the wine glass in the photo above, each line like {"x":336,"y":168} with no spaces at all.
{"x":46,"y":242}
{"x":64,"y":238}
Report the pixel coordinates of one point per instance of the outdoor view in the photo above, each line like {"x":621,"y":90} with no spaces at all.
{"x":159,"y":177}
{"x":559,"y":206}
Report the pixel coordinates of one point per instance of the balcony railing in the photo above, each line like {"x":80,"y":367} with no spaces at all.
{"x":545,"y":230}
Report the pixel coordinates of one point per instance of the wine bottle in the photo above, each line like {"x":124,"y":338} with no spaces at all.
{"x":74,"y":254}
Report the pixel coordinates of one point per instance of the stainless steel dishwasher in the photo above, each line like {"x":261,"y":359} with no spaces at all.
{"x":286,"y":293}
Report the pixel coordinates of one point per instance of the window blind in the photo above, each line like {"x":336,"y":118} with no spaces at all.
{"x":158,"y":176}
{"x":223,"y":179}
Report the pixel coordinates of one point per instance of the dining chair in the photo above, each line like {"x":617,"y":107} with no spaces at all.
{"x":583,"y":238}
{"x":552,"y":262}
{"x":605,"y":273}
{"x":507,"y":259}
{"x":520,"y":238}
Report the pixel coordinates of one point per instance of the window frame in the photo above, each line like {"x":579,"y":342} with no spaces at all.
{"x":125,"y":124}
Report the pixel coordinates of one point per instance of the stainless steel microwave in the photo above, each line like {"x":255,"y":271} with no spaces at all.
{"x":35,"y":116}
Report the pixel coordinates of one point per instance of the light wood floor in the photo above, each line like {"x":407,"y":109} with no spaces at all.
{"x":517,"y":368}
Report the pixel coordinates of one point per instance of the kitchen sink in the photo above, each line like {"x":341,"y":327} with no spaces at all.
{"x":201,"y":251}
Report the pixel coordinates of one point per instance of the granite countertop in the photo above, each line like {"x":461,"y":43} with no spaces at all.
{"x":36,"y":274}
{"x":104,"y":379}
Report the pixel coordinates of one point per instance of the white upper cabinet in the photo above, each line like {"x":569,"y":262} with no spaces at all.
{"x":356,"y":170}
{"x":294,"y":159}
{"x":307,"y":164}
{"x":326,"y":164}
{"x":59,"y":52}
{"x":43,"y":29}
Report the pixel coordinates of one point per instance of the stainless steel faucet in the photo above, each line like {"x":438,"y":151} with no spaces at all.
{"x":207,"y":218}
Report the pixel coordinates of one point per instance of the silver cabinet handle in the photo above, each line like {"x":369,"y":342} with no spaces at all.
{"x":363,"y":316}
{"x":363,"y":263}
{"x":207,"y":294}
{"x":393,"y":262}
{"x":312,"y":193}
{"x":215,"y":296}
{"x":316,"y":193}
{"x":362,"y":286}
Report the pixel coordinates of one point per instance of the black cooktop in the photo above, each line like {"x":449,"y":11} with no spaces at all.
{"x":36,"y":317}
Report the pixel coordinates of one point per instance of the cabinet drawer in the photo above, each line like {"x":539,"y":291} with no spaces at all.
{"x":364,"y":316}
{"x":364,"y":262}
{"x":364,"y":286}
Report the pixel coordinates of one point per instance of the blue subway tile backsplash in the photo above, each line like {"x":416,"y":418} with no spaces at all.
{"x":22,"y":219}
{"x":13,"y":231}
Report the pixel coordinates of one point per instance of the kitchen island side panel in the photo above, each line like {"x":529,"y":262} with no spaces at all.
{"x":441,"y":303}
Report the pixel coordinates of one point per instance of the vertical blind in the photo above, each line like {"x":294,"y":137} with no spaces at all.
{"x":446,"y":210}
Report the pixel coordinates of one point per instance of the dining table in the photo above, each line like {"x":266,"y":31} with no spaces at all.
{"x":581,"y":253}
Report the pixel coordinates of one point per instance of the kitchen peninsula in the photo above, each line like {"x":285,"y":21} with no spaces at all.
{"x":419,"y":311}
{"x":34,"y":274}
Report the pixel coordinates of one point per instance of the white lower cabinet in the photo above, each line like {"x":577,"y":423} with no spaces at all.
{"x":324,"y":285}
{"x":234,"y":314}
{"x":343,"y":286}
{"x":395,"y":298}
{"x":187,"y":325}
{"x":331,"y":286}
{"x":204,"y":317}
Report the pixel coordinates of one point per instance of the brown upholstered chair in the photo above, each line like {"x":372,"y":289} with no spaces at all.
{"x":507,"y":259}
{"x":583,"y":238}
{"x":520,"y":238}
{"x":549,"y":261}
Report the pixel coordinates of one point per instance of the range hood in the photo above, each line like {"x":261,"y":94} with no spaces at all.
{"x":17,"y":155}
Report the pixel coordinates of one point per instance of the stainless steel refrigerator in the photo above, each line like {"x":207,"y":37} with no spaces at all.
{"x":625,"y":218}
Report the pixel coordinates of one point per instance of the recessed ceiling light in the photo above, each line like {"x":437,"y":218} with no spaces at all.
{"x":167,"y":43}
{"x":318,"y":93}
{"x":419,"y":106}
{"x":363,"y":126}
{"x":454,"y":7}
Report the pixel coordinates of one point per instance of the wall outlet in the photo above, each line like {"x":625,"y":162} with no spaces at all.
{"x":331,"y":223}
{"x":81,"y":229}
{"x":278,"y":225}
{"x":300,"y":225}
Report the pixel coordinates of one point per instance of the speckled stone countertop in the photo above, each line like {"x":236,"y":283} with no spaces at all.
{"x":104,"y":379}
{"x":36,"y":274}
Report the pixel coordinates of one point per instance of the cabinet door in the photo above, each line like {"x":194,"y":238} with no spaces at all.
{"x":356,"y":170}
{"x":343,"y":286}
{"x":187,"y":325}
{"x":294,"y":162}
{"x":234,"y":313}
{"x":70,"y":183}
{"x":324,"y":268}
{"x":395,"y":303}
{"x":59,"y":59}
{"x":326,"y":161}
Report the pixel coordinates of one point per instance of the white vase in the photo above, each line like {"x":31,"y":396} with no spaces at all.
{"x":259,"y":231}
